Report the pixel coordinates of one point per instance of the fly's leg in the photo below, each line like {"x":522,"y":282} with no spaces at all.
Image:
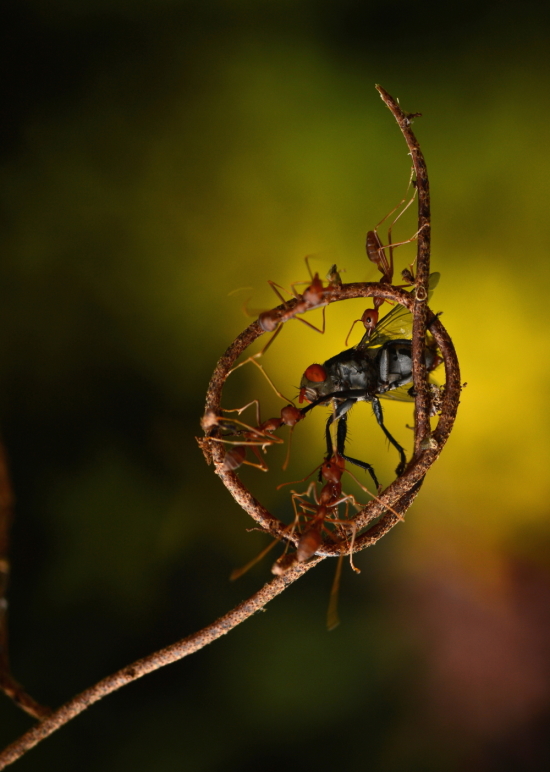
{"x":341,"y":435}
{"x":377,"y":409}
{"x":328,"y":437}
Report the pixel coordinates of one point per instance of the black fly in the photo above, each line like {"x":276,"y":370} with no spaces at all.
{"x":379,"y":366}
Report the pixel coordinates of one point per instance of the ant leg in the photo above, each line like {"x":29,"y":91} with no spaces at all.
{"x":328,"y":436}
{"x":340,"y":415}
{"x":274,"y":285}
{"x":238,"y":572}
{"x":359,"y":506}
{"x":252,"y":359}
{"x":240,"y":410}
{"x":377,"y":409}
{"x":294,"y":482}
{"x":268,"y":344}
{"x":313,"y":327}
{"x":287,"y":457}
{"x":341,"y":442}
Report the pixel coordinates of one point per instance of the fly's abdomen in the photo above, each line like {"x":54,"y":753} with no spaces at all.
{"x":395,"y":364}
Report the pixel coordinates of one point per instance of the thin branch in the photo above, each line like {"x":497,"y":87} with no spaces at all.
{"x":420,"y":312}
{"x":8,"y":684}
{"x":153,"y":662}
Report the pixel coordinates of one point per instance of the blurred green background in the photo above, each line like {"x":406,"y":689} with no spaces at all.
{"x":157,"y":156}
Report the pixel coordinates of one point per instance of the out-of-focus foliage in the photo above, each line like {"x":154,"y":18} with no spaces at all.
{"x":155,"y":158}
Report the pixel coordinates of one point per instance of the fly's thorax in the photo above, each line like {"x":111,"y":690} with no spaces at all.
{"x":354,"y":369}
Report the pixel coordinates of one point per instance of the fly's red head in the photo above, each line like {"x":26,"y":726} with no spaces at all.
{"x":313,"y":374}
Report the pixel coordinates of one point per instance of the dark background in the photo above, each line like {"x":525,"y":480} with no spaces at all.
{"x":157,"y":156}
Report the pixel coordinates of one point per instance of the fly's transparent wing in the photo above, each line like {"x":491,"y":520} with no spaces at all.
{"x":433,"y":282}
{"x":400,"y":394}
{"x":396,"y":324}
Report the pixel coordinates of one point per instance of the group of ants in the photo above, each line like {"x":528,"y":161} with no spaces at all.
{"x":315,"y":514}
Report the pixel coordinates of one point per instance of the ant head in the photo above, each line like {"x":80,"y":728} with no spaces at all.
{"x":290,"y":415}
{"x":333,"y":468}
{"x":370,"y":317}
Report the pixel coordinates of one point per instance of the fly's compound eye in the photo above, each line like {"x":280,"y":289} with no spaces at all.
{"x":316,"y":374}
{"x":370,"y":318}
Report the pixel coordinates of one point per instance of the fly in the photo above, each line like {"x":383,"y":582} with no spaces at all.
{"x":380,"y":365}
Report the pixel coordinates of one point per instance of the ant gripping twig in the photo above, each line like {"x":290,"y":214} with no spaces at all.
{"x":316,"y":295}
{"x":309,"y":541}
{"x":255,"y":437}
{"x":376,"y":253}
{"x":324,"y":513}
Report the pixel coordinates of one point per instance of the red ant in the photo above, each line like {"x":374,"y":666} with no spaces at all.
{"x":326,"y":505}
{"x":321,"y":518}
{"x":331,"y":471}
{"x":323,"y":511}
{"x":255,"y":437}
{"x":322,"y":514}
{"x":376,"y":254}
{"x":314,"y":296}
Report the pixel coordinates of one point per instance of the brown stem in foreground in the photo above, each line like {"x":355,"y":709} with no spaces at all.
{"x":399,"y":495}
{"x":154,"y":661}
{"x":8,"y":684}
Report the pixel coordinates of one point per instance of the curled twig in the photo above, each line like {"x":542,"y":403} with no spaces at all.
{"x":399,"y":495}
